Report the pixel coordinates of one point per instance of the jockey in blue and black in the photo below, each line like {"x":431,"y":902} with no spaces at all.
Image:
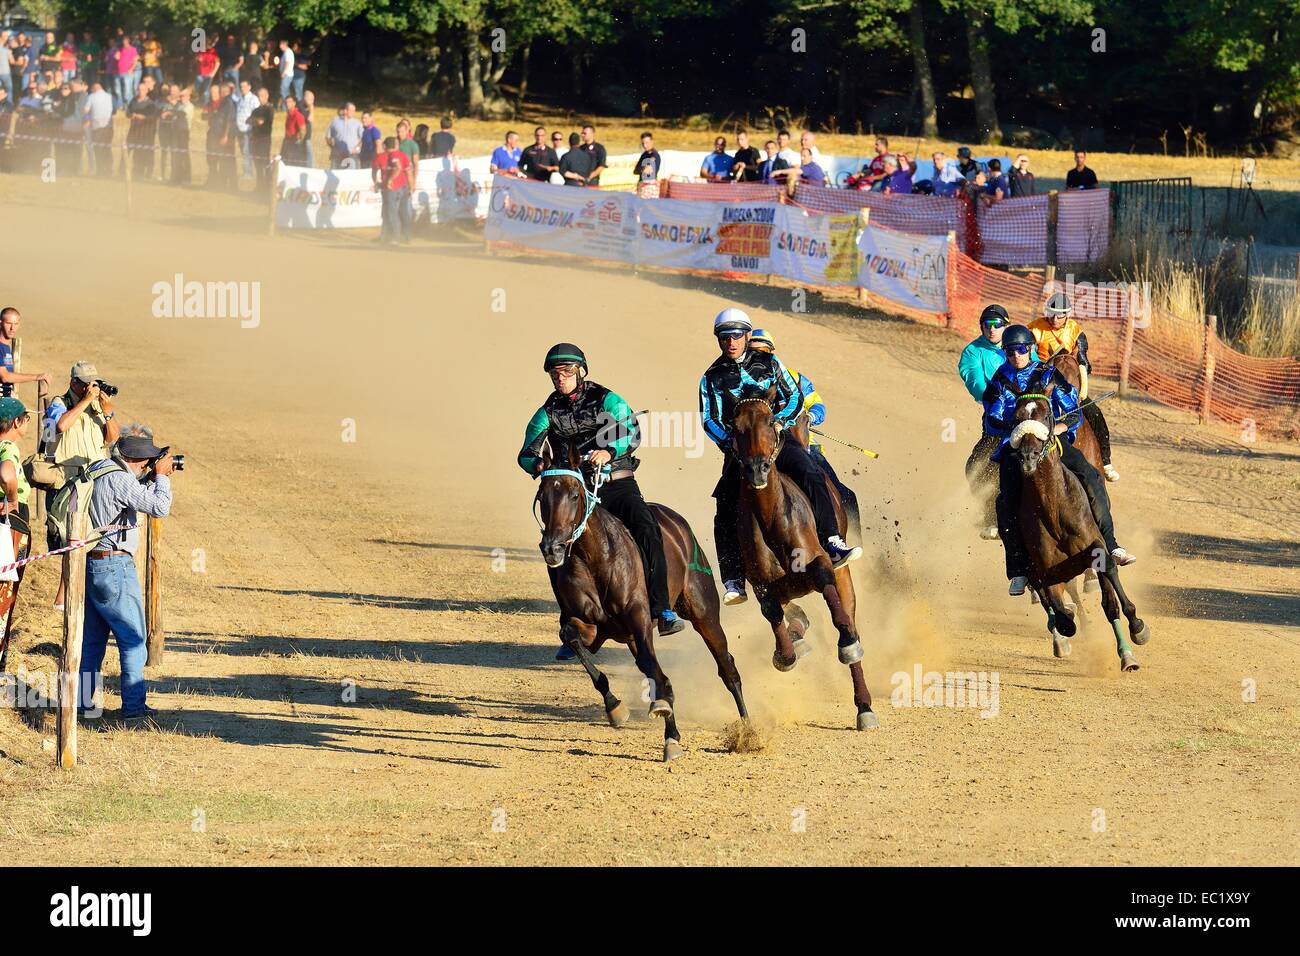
{"x":740,"y":369}
{"x":1023,"y":373}
{"x":601,"y":428}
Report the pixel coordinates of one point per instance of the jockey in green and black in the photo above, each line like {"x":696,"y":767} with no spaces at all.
{"x":1023,"y":373}
{"x":602,"y":429}
{"x":737,"y":370}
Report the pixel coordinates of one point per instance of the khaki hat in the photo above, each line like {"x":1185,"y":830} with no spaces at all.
{"x":85,"y":372}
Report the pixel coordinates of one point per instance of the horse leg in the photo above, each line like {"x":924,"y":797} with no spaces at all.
{"x":797,"y":621}
{"x":700,"y":606}
{"x":572,"y":633}
{"x":850,"y":648}
{"x":1138,"y":630}
{"x":1110,"y":603}
{"x":784,"y":656}
{"x":660,"y":690}
{"x":867,"y":719}
{"x":1060,"y":644}
{"x":1064,"y":617}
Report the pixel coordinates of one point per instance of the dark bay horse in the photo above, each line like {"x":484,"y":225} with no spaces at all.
{"x":1085,"y":439}
{"x":783,"y":556}
{"x":596,"y":574}
{"x":1060,"y":532}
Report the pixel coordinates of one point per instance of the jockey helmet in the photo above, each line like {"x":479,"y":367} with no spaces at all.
{"x":1017,"y":335}
{"x":565,"y":353}
{"x":1058,"y":304}
{"x":732,"y":320}
{"x":994,"y":315}
{"x":761,"y":340}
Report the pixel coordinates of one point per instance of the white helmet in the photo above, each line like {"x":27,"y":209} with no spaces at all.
{"x":732,"y":320}
{"x":1058,"y":304}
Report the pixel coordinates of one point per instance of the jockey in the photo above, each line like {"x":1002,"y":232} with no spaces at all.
{"x":816,"y":408}
{"x":979,"y":360}
{"x":1057,"y":331}
{"x":1024,"y":373}
{"x":583,"y":415}
{"x":738,"y":368}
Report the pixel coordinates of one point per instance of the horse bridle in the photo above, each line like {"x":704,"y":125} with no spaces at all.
{"x":1055,"y":439}
{"x":592,"y":499}
{"x":780,"y":432}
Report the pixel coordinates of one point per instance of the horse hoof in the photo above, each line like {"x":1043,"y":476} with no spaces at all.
{"x":783,"y":664}
{"x":868,"y":721}
{"x":851,"y":653}
{"x":1091,"y":585}
{"x":1127,"y":662}
{"x":1061,"y":646}
{"x":801,"y":648}
{"x":618,"y":716}
{"x":1065,"y":625}
{"x":1142,"y":636}
{"x":661,"y":708}
{"x":672,"y":750}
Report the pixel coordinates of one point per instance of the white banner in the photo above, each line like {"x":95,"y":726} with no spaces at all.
{"x":716,"y":237}
{"x":907,"y":269}
{"x":580,"y":222}
{"x":815,"y":249}
{"x":326,"y":199}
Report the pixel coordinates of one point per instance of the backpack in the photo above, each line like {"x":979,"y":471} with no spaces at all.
{"x":79,"y":485}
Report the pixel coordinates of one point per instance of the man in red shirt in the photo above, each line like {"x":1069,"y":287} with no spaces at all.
{"x":392,"y":177}
{"x":207,"y":63}
{"x":293,"y":152}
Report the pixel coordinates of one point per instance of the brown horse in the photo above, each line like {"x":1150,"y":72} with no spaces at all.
{"x":1060,"y":532}
{"x":783,"y":556}
{"x":598,"y":580}
{"x":1085,"y":439}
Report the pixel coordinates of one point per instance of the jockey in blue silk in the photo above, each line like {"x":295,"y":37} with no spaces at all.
{"x":741,"y":370}
{"x":979,"y":360}
{"x":815,"y":406}
{"x":1023,"y":373}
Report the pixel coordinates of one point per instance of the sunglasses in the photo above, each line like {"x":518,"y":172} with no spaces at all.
{"x":995,"y":323}
{"x":1019,"y":349}
{"x":564,"y":371}
{"x":729,"y":336}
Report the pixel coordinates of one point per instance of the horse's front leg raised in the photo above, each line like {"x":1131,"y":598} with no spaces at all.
{"x":785,"y":655}
{"x":577,"y":635}
{"x":659,"y":690}
{"x":850,"y":648}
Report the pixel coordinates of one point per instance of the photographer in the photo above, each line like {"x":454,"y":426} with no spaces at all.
{"x":137,"y":481}
{"x":79,"y":428}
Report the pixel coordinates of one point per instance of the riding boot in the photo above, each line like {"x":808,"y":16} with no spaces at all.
{"x":1095,"y":488}
{"x":795,"y":461}
{"x":847,"y":496}
{"x":1007,"y":507}
{"x":981,"y":475}
{"x":1099,"y":428}
{"x":731,"y":565}
{"x":622,"y":498}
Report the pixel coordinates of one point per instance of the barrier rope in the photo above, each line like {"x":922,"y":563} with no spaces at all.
{"x":97,"y":535}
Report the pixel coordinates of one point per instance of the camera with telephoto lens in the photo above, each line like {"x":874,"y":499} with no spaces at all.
{"x":105,"y":388}
{"x":178,"y":462}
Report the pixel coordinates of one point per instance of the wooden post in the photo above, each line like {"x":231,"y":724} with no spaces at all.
{"x":864,"y":217}
{"x":1053,"y":210}
{"x":1126,"y":352}
{"x":1049,"y":276}
{"x":74,"y":613}
{"x":1207,"y":369}
{"x":275,"y":194}
{"x":38,"y":494}
{"x":153,"y":591}
{"x":950,"y":280}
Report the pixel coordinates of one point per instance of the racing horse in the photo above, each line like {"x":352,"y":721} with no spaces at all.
{"x":599,"y":583}
{"x":783,"y":557}
{"x":1066,"y":362}
{"x":1060,"y":533}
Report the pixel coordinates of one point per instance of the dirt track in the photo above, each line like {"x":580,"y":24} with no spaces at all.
{"x":328,"y":561}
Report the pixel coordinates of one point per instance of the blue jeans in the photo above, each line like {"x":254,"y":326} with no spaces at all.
{"x":299,"y":84}
{"x":7,"y":81}
{"x":113,"y":602}
{"x":201,"y":84}
{"x":245,"y":145}
{"x":397,"y":215}
{"x":286,"y":87}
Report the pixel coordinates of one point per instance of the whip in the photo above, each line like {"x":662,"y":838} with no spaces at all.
{"x":847,"y":444}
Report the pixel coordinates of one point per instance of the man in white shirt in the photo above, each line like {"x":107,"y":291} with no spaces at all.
{"x":785,"y":151}
{"x":97,"y":126}
{"x":245,"y":103}
{"x":285,"y":61}
{"x":806,"y":142}
{"x":344,"y":138}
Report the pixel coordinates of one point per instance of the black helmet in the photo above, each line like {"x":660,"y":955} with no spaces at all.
{"x":1058,"y":304}
{"x":994,"y":312}
{"x":565,"y":353}
{"x":1017,"y":335}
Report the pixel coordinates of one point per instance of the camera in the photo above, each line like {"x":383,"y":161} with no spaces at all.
{"x":178,"y":462}
{"x":109,"y":390}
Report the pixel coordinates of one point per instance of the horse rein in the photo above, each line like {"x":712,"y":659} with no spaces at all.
{"x":1033,"y":396}
{"x":780,"y":432}
{"x":592,"y":499}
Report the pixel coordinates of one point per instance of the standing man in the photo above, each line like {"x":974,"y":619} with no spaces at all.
{"x":97,"y":128}
{"x":89,"y":54}
{"x":369,"y":145}
{"x":773,"y":164}
{"x":557,"y":144}
{"x":79,"y":428}
{"x":716,"y":167}
{"x":648,"y":163}
{"x":113,"y":601}
{"x":576,"y":164}
{"x":260,"y":124}
{"x":10,"y":319}
{"x":1080,"y":177}
{"x":443,"y":142}
{"x":785,"y":150}
{"x":206,"y":64}
{"x":979,"y":360}
{"x":344,"y":138}
{"x":293,"y":151}
{"x":505,"y":159}
{"x":285,"y":62}
{"x":245,"y":103}
{"x":231,"y":56}
{"x":596,"y":152}
{"x":1021,"y":179}
{"x":745,"y":163}
{"x":539,"y":161}
{"x":391,"y":174}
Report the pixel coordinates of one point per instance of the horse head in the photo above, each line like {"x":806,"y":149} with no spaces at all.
{"x":1066,"y":361}
{"x":1032,"y":431}
{"x":756,"y":440}
{"x":563,"y":503}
